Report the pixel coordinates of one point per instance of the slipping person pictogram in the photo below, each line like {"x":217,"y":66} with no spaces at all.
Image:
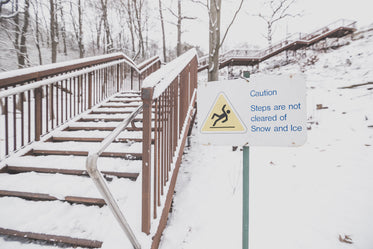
{"x":221,"y":116}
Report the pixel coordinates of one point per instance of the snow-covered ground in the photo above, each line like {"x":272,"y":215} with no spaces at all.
{"x":315,"y":196}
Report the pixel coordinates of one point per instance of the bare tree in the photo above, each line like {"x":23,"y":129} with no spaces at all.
{"x":109,"y":39}
{"x":276,"y":10}
{"x":63,"y":26}
{"x":53,"y":30}
{"x":37,"y":30}
{"x":127,"y":6}
{"x":163,"y":31}
{"x":180,"y":17}
{"x":78,"y":27}
{"x":138,"y":7}
{"x":16,"y":27}
{"x":215,"y":43}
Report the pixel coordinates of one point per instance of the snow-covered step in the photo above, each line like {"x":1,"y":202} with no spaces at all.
{"x":118,"y":105}
{"x":107,"y":174}
{"x":47,"y":197}
{"x":54,"y":217}
{"x":124,"y":96}
{"x":59,"y":185}
{"x":95,"y":136}
{"x":75,"y":163}
{"x":107,"y":126}
{"x":125,"y":100}
{"x":106,"y":119}
{"x":108,"y":116}
{"x":122,"y":150}
{"x":111,"y":111}
{"x":117,"y":109}
{"x":94,"y":124}
{"x":129,"y":93}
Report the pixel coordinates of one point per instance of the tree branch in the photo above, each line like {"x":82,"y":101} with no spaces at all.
{"x":201,"y":3}
{"x":189,"y":17}
{"x":234,"y":17}
{"x":9,"y":16}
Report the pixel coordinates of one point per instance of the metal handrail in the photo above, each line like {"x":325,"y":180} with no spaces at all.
{"x":99,"y":181}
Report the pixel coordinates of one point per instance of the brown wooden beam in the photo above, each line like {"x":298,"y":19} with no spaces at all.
{"x":19,"y":169}
{"x":110,"y":112}
{"x":45,"y":197}
{"x":93,"y":139}
{"x":133,"y":156}
{"x":99,"y":128}
{"x":53,"y":239}
{"x":28,"y":195}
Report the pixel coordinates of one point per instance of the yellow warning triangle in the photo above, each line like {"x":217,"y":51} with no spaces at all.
{"x":222,"y":117}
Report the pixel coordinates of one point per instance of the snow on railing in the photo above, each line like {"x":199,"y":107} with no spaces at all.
{"x":162,"y":78}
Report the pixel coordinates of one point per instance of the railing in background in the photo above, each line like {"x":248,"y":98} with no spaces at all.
{"x":289,"y":41}
{"x":305,"y":38}
{"x":168,"y":99}
{"x":34,"y":101}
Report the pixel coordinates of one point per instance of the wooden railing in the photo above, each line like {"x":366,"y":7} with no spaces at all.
{"x":291,"y":42}
{"x":34,"y":101}
{"x":169,"y":97}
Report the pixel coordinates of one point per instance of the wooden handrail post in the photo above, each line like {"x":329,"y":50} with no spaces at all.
{"x":147,"y":98}
{"x":140,"y":77}
{"x":131,"y":78}
{"x":118,"y":76}
{"x":38,"y":95}
{"x":90,"y":91}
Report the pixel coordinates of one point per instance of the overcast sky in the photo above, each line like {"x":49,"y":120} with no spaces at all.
{"x":249,"y":28}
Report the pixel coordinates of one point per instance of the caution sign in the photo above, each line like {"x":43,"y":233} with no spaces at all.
{"x":223,"y":118}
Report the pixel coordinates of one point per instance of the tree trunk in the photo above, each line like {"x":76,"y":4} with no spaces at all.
{"x":17,"y":32}
{"x":163,"y":31}
{"x":179,"y":19}
{"x":22,"y":56}
{"x":130,"y":26}
{"x":80,"y":23}
{"x":63,"y":29}
{"x":109,"y":41}
{"x":214,"y":40}
{"x":37,"y":32}
{"x":53,"y":31}
{"x":98,"y":34}
{"x":138,"y":10}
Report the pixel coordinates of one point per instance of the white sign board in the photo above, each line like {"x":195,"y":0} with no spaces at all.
{"x":263,"y":111}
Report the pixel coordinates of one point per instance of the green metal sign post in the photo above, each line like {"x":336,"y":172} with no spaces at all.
{"x":245,"y":198}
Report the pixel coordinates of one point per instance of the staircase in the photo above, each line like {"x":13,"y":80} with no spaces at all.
{"x":47,"y":196}
{"x":49,"y":191}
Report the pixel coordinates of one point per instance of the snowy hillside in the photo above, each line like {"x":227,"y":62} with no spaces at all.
{"x":315,"y":196}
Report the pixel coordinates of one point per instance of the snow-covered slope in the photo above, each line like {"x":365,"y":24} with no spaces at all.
{"x":316,"y":196}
